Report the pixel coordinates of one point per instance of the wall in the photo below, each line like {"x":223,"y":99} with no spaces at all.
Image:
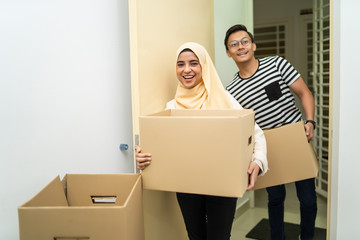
{"x":266,"y":11}
{"x":64,"y":95}
{"x":226,"y":14}
{"x":344,"y":207}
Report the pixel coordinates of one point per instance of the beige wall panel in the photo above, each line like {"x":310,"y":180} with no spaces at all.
{"x":162,"y":216}
{"x":157,"y":29}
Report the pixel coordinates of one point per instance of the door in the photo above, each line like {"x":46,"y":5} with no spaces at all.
{"x":65,"y":91}
{"x":157,"y":29}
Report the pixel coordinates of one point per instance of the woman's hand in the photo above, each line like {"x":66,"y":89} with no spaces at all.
{"x":143,"y":159}
{"x":253,"y":171}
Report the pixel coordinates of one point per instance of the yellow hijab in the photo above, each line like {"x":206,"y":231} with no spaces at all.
{"x":208,"y":94}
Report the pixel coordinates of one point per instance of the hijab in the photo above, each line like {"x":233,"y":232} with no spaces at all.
{"x":209,"y":93}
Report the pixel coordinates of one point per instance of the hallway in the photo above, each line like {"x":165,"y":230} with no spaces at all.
{"x":245,"y":222}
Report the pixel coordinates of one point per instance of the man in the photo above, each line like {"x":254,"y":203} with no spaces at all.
{"x":264,"y":86}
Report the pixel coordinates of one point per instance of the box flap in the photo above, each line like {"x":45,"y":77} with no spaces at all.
{"x":162,"y":113}
{"x":52,"y":195}
{"x":201,"y":113}
{"x":100,"y":189}
{"x":291,"y":157}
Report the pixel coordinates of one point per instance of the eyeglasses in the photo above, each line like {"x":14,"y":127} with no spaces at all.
{"x":244,"y":42}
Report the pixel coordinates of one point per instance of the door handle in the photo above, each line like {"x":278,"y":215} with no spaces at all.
{"x":123,"y":147}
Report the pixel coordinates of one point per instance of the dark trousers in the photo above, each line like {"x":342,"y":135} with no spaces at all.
{"x":306,"y":194}
{"x":207,"y":217}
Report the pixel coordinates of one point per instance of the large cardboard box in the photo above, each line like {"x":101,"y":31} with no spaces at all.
{"x":198,"y":151}
{"x":95,"y":207}
{"x":290,"y":156}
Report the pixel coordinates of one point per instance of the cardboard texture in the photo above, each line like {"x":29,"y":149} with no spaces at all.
{"x":95,"y":207}
{"x":198,"y":151}
{"x":291,"y":157}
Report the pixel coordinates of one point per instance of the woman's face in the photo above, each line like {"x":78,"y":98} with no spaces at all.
{"x":188,"y":69}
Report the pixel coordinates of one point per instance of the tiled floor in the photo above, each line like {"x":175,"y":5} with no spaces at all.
{"x":251,"y":217}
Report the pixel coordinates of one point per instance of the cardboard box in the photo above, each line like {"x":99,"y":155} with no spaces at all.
{"x":198,"y":151}
{"x":95,"y":207}
{"x":291,"y":157}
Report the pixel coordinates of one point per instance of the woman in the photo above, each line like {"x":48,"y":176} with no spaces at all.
{"x":206,"y":217}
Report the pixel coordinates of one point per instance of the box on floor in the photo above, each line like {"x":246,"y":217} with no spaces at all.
{"x":85,"y":207}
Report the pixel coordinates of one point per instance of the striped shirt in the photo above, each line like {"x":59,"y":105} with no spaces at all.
{"x":267,"y":92}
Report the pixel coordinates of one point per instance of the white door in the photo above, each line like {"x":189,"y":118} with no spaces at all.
{"x":65,"y":97}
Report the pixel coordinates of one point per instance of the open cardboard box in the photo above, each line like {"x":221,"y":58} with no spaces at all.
{"x":198,"y":151}
{"x":290,"y":156}
{"x":95,"y":207}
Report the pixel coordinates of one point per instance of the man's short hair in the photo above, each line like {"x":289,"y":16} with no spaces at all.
{"x":236,"y":28}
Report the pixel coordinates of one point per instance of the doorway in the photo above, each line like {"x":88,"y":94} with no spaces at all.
{"x":285,"y":28}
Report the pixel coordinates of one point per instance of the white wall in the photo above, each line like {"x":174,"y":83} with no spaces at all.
{"x":345,"y":208}
{"x":226,"y":14}
{"x":64,"y":95}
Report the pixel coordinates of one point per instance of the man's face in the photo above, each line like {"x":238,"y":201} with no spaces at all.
{"x":240,"y":47}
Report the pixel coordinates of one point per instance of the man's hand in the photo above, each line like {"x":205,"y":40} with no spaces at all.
{"x":309,"y":130}
{"x":253,"y":171}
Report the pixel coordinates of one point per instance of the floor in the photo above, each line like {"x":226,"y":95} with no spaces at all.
{"x":245,"y":222}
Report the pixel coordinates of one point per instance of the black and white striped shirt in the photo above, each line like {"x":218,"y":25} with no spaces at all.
{"x":267,"y":92}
